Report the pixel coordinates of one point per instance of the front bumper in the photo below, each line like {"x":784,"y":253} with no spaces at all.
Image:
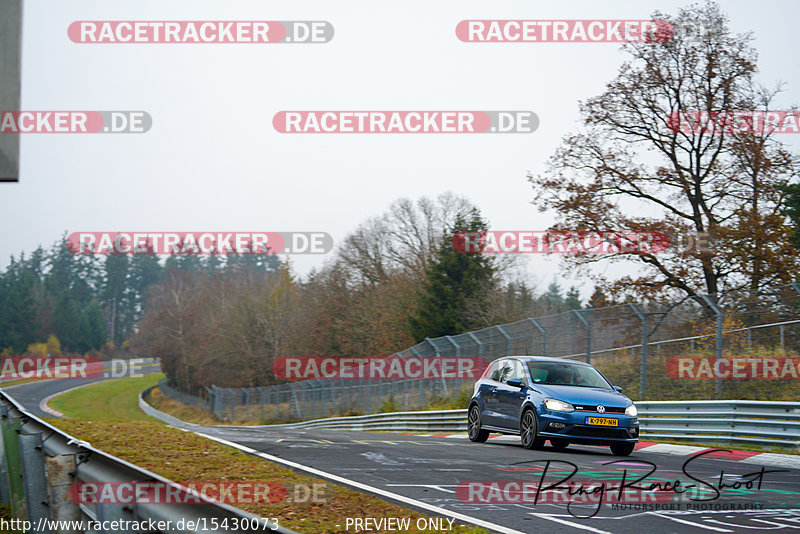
{"x":572,"y":426}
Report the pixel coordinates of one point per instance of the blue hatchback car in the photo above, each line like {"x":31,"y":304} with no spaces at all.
{"x":553,"y":399}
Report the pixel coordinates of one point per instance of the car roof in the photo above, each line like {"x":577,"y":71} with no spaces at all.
{"x":527,"y":358}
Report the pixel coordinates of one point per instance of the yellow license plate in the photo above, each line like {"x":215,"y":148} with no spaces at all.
{"x":602,"y":421}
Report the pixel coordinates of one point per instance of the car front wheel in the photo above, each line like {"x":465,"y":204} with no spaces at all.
{"x":474,"y":430}
{"x":528,"y":431}
{"x":622,"y":449}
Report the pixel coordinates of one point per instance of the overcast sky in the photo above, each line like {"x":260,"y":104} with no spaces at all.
{"x":212,"y":160}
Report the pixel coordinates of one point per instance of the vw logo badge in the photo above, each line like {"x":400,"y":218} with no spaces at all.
{"x":601,"y":409}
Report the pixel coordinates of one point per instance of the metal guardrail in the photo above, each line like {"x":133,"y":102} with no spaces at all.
{"x":738,"y":421}
{"x":40,"y":463}
{"x":773,"y":423}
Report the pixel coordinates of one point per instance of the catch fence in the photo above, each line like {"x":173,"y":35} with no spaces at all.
{"x":738,"y":345}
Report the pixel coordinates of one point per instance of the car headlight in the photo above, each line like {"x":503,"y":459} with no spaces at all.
{"x":558,"y":406}
{"x":631,"y":411}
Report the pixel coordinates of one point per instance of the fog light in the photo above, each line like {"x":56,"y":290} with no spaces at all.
{"x":557,"y":426}
{"x":635,"y":432}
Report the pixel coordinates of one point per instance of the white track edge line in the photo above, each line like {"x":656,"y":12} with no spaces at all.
{"x":366,"y":487}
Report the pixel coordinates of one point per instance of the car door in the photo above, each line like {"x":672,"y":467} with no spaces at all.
{"x":510,"y":398}
{"x":488,"y":392}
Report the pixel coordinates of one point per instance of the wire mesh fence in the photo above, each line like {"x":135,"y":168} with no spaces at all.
{"x":737,"y":345}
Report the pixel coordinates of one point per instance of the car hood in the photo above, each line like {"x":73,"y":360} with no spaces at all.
{"x":584,"y":395}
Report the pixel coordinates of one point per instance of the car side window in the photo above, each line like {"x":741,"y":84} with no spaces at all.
{"x":515,"y":371}
{"x":497,"y":373}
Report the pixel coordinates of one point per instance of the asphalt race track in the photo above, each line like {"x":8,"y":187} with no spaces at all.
{"x":429,"y":469}
{"x":31,"y":394}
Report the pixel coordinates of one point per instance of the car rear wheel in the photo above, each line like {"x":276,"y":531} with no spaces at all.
{"x":559,"y":444}
{"x":528,"y":431}
{"x":622,"y":449}
{"x":474,"y":430}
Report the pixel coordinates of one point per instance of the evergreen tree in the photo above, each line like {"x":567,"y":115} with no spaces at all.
{"x":69,"y":324}
{"x":18,"y":324}
{"x":553,"y":300}
{"x":791,"y":208}
{"x":455,"y":284}
{"x":96,"y":334}
{"x":145,"y":271}
{"x":598,"y":299}
{"x":114,"y":286}
{"x":573,"y":299}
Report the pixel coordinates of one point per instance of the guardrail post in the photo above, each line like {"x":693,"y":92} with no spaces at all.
{"x":643,"y":363}
{"x":783,"y":345}
{"x":10,"y":430}
{"x":33,"y":477}
{"x":5,"y":496}
{"x":717,"y":341}
{"x":588,"y":327}
{"x":544,"y":334}
{"x":509,"y":341}
{"x":60,"y":478}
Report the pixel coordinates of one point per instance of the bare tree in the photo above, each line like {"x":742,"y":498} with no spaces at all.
{"x":631,"y":169}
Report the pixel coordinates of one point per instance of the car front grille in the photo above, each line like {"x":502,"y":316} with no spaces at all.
{"x":599,"y":432}
{"x":590,"y":408}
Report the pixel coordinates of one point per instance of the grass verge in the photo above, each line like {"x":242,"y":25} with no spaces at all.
{"x":182,"y":411}
{"x":5,"y":513}
{"x":102,"y":415}
{"x":111,"y":400}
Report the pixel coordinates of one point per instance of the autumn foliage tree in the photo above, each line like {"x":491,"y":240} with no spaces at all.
{"x":629,"y":169}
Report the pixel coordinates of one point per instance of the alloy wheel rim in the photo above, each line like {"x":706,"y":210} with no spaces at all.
{"x":473,"y":422}
{"x":527,"y":428}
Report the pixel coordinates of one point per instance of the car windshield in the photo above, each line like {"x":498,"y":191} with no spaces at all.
{"x":567,"y":374}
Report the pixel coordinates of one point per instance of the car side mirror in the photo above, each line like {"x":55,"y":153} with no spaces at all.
{"x":618,"y":388}
{"x":514,"y":382}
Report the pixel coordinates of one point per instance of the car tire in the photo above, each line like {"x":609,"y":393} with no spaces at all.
{"x":622,"y":449}
{"x":559,"y":444}
{"x":529,"y":430}
{"x":474,"y":430}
